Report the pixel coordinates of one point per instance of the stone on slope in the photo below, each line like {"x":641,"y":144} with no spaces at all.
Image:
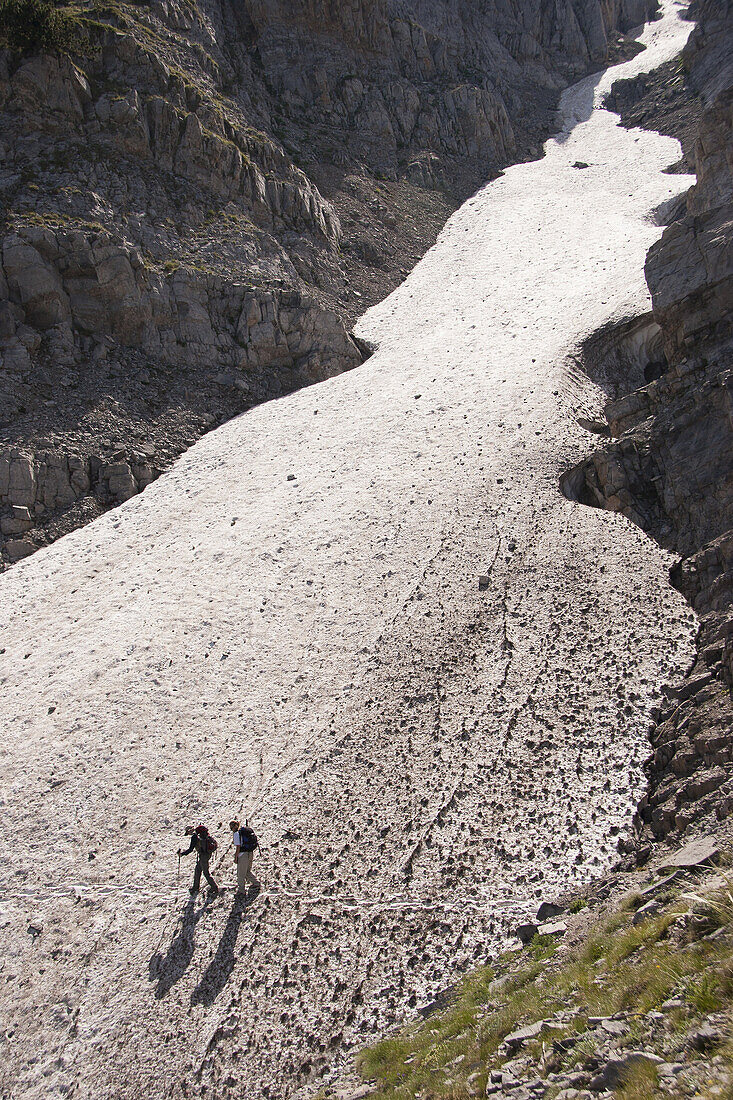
{"x":649,"y":909}
{"x":616,"y":1070}
{"x":698,"y":853}
{"x":522,"y":1035}
{"x":548,"y":910}
{"x":526,"y":932}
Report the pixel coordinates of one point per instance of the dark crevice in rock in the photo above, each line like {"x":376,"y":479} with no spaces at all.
{"x":622,"y":355}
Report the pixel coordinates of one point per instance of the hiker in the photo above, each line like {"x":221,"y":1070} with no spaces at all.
{"x":245,"y":842}
{"x":204,"y":845}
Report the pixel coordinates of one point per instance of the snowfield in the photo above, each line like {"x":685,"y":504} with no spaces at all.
{"x":423,"y":759}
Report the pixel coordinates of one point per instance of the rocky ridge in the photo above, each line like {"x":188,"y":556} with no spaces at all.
{"x":668,"y":464}
{"x":198,"y":203}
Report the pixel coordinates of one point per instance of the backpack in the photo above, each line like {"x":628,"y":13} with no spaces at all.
{"x":247,"y":839}
{"x":210,"y":843}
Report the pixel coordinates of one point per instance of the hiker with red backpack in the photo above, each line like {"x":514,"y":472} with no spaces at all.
{"x":204,"y":845}
{"x":245,"y":844}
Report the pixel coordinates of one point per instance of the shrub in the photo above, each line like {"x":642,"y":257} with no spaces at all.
{"x":33,"y":25}
{"x":705,"y":993}
{"x":543,"y":947}
{"x":711,"y":912}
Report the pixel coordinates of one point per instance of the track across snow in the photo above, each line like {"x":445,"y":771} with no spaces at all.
{"x":423,"y":760}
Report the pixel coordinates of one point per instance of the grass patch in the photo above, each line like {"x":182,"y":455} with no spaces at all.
{"x":542,"y":947}
{"x":30,"y":26}
{"x":711,"y":912}
{"x":641,"y":1082}
{"x":620,"y":968}
{"x":705,"y":993}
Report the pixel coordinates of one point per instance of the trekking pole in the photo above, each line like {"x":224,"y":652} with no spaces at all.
{"x":178,"y":877}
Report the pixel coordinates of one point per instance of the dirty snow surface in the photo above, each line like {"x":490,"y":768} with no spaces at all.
{"x":423,"y":759}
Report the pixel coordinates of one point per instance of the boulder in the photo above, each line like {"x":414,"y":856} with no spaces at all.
{"x":616,"y":1070}
{"x":527,"y":932}
{"x":553,"y":928}
{"x":36,"y":283}
{"x":17,"y":549}
{"x":698,"y":853}
{"x":650,"y":909}
{"x":706,"y":1038}
{"x":548,"y":910}
{"x":522,"y":1035}
{"x":17,"y":522}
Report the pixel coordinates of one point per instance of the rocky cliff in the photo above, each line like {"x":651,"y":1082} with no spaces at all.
{"x":198,"y":198}
{"x":669,"y":462}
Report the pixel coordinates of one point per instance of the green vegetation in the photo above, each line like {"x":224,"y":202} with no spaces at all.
{"x":641,"y":1083}
{"x":684,"y":952}
{"x":53,"y":219}
{"x":709,"y":992}
{"x":29,"y":26}
{"x":632,"y":901}
{"x":543,"y":947}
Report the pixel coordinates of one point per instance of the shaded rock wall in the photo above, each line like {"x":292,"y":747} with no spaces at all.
{"x":669,"y":465}
{"x":77,"y":284}
{"x":394,"y":81}
{"x":690,"y":270}
{"x":94,"y":298}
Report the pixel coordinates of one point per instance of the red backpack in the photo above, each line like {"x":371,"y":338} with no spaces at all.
{"x":209,"y":842}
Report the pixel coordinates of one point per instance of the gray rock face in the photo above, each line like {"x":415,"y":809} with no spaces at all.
{"x":415,"y":77}
{"x":669,"y":467}
{"x":95,"y":292}
{"x":690,"y":270}
{"x":102,"y":286}
{"x":35,"y":284}
{"x":167,"y":193}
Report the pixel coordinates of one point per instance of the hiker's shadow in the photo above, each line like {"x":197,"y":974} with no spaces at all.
{"x":216,"y":975}
{"x":169,"y":968}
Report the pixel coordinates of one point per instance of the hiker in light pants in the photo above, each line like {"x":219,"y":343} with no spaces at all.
{"x":245,"y":842}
